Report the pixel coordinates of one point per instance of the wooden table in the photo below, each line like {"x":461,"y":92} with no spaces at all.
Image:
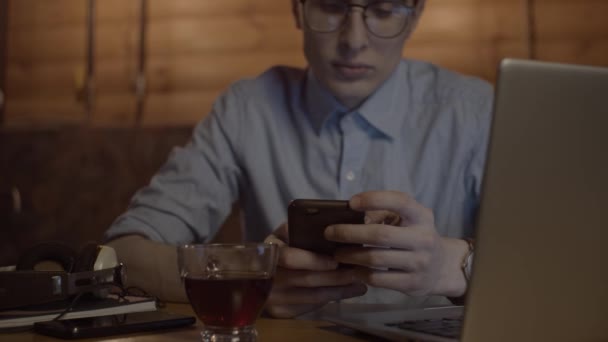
{"x":269,"y":330}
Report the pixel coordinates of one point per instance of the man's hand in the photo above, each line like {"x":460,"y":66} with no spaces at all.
{"x":305,"y":281}
{"x":409,"y":256}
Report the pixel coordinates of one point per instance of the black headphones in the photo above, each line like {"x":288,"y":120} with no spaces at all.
{"x":93,"y":267}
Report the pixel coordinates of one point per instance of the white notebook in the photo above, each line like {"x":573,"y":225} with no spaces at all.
{"x":110,"y":305}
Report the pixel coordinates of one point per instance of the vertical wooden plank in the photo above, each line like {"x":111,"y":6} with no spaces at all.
{"x":55,"y":101}
{"x":116,"y":58}
{"x":196,"y":48}
{"x":531,"y":39}
{"x":140,"y":78}
{"x":90,"y":61}
{"x":3,"y":55}
{"x":574,"y":32}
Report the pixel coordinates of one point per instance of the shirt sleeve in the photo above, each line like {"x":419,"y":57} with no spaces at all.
{"x":188,"y":199}
{"x":476,"y":167}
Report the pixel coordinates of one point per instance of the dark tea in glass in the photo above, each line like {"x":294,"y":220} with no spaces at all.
{"x":232,"y":300}
{"x":227,"y":286}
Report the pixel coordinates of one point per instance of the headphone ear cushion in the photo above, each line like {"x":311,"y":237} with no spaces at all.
{"x":47,"y":251}
{"x":86,"y":258}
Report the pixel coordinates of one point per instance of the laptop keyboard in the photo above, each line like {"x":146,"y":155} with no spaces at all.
{"x":446,"y":327}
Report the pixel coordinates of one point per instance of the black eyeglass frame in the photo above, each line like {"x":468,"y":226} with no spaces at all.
{"x":348,"y":8}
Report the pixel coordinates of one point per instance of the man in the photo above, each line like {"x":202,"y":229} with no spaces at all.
{"x":358,"y":119}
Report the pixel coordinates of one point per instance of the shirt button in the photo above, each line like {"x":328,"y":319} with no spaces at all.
{"x":350,"y":176}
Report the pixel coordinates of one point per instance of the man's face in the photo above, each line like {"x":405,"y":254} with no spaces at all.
{"x":351,"y":62}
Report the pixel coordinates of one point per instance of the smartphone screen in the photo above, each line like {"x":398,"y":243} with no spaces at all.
{"x":113,"y":324}
{"x":308,"y":218}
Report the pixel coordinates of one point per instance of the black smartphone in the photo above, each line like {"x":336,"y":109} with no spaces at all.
{"x":308,"y":218}
{"x":112,"y":325}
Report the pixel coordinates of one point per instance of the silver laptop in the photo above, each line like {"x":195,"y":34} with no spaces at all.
{"x":541,"y":258}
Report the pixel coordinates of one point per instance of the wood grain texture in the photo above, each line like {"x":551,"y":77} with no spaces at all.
{"x":200,"y":47}
{"x":75,"y":182}
{"x":3,"y":54}
{"x":578,"y":51}
{"x":572,"y":31}
{"x":562,"y":19}
{"x":186,"y":35}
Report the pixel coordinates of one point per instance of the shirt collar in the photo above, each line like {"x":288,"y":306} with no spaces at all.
{"x":384,"y":109}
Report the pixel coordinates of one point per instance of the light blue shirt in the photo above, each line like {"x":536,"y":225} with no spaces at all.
{"x":282,"y":136}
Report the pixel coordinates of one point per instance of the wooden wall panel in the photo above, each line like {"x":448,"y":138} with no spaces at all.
{"x":35,"y":14}
{"x":451,"y":23}
{"x":473,"y":59}
{"x":38,"y":110}
{"x":230,"y":34}
{"x":557,"y":19}
{"x":166,"y":73}
{"x":3,"y":44}
{"x":47,"y":60}
{"x":572,"y":31}
{"x":196,"y":48}
{"x":75,"y":182}
{"x":580,"y":51}
{"x":471,"y":21}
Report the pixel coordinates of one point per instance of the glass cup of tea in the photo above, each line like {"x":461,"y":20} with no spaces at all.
{"x":227,"y":286}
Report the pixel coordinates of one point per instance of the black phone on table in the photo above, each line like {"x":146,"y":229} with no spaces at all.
{"x":113,"y":324}
{"x":308,"y":218}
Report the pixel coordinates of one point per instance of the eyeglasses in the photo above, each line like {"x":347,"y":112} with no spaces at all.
{"x":384,"y":19}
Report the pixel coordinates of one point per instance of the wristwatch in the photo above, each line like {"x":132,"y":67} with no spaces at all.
{"x":467,"y":268}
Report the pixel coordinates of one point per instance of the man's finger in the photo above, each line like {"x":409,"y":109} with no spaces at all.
{"x":275,"y":239}
{"x":397,"y":202}
{"x":378,"y":235}
{"x":282,"y":232}
{"x":408,"y":283}
{"x":380,"y":258}
{"x":299,"y":259}
{"x":316,"y":296}
{"x":382,"y":217}
{"x":290,"y":278}
{"x":291,"y":311}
